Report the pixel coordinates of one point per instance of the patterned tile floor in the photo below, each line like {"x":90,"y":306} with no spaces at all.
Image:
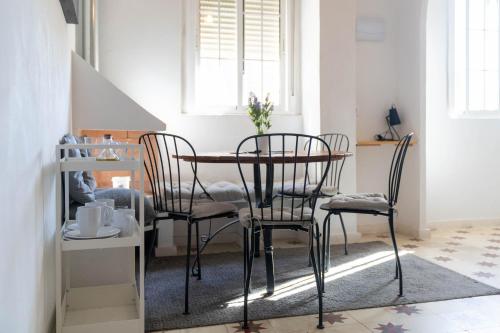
{"x":472,"y":251}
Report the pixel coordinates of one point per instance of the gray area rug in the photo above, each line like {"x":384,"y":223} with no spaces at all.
{"x":363,"y":279}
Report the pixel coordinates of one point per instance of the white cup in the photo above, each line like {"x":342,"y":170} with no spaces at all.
{"x":124,"y":220}
{"x":89,"y":220}
{"x":108,"y":202}
{"x":106,"y":211}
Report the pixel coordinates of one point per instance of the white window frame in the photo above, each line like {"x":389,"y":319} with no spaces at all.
{"x":190,"y":57}
{"x":452,"y":110}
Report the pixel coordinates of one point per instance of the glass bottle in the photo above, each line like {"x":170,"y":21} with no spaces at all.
{"x":108,"y":154}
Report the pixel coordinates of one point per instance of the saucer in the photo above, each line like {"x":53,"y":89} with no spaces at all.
{"x":103,"y":232}
{"x":74,"y":226}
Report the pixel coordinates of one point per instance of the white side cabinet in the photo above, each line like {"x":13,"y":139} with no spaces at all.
{"x":99,"y":308}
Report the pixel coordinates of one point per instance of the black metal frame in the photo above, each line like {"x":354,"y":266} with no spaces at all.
{"x":340,"y":143}
{"x":395,"y":174}
{"x":336,"y":142}
{"x":160,"y":176}
{"x":270,"y":159}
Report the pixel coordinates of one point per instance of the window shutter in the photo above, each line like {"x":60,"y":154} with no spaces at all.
{"x":262,"y":30}
{"x":218,"y":29}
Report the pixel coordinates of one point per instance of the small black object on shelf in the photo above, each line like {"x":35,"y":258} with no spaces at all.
{"x":392,"y":120}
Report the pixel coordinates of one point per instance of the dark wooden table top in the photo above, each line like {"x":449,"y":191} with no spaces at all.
{"x":276,"y":157}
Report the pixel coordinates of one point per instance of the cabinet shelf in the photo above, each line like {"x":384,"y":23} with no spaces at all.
{"x":105,"y":243}
{"x":111,"y":308}
{"x":82,"y":164}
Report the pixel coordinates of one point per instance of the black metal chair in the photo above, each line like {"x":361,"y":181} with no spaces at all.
{"x":372,"y":204}
{"x":276,"y":211}
{"x":336,"y":142}
{"x":173,"y":199}
{"x":331,"y":185}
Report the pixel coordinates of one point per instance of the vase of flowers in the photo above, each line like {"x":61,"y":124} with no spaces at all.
{"x":260,"y":115}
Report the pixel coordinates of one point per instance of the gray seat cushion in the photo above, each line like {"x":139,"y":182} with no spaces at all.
{"x":186,"y":190}
{"x":226,"y":191}
{"x":288,"y":189}
{"x":264,"y":217}
{"x":361,"y":201}
{"x":204,"y":209}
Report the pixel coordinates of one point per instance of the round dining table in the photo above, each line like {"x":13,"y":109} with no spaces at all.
{"x":275,"y":157}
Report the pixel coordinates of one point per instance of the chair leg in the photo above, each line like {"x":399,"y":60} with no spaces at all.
{"x":326,"y":259}
{"x":309,"y":244}
{"x":188,"y":266}
{"x":151,"y":247}
{"x":323,"y":260}
{"x":248,"y":276}
{"x":345,"y":234}
{"x":317,"y":274}
{"x":398,"y":262}
{"x":198,"y":251}
{"x":245,"y":255}
{"x":309,"y":264}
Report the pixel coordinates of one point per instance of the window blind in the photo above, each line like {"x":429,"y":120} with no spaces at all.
{"x":218,"y":29}
{"x":239,"y":51}
{"x":262,"y":30}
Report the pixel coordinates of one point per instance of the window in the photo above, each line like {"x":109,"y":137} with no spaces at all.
{"x":474,"y":57}
{"x":234,"y":47}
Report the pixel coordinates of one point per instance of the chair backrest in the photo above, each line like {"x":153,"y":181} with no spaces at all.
{"x":287,"y":164}
{"x":396,"y":171}
{"x":169,"y":176}
{"x":336,"y":142}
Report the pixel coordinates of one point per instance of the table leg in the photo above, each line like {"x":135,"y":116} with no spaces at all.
{"x":268,"y":233}
{"x":258,"y":202}
{"x":269,"y":185}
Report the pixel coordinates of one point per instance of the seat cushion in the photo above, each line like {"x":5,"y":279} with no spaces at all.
{"x":186,"y":190}
{"x":361,"y":201}
{"x":209,"y":209}
{"x":203,"y":209}
{"x":329,"y":190}
{"x":265,"y":217}
{"x":226,"y":191}
{"x":299,"y":189}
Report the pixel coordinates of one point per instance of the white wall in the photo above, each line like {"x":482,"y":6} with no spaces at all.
{"x":141,"y":53}
{"x":34,"y":104}
{"x":462,"y":154}
{"x":310,"y":65}
{"x":376,"y":70}
{"x":390,"y":71}
{"x":98,"y":104}
{"x":338,"y":85}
